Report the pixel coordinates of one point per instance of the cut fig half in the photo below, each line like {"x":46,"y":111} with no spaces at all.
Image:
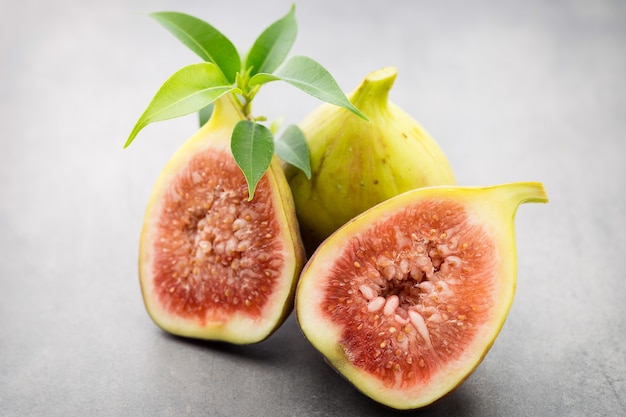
{"x":214,"y":265}
{"x":406,"y":299}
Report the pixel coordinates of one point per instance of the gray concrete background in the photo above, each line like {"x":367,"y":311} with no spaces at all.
{"x":512,"y":90}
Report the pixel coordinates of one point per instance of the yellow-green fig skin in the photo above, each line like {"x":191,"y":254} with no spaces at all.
{"x":493,"y":208}
{"x":357,"y":163}
{"x":238,"y":327}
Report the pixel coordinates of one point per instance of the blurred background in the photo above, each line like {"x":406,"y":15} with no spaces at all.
{"x":510,"y":90}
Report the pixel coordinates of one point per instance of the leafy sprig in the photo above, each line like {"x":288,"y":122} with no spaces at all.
{"x":195,"y":87}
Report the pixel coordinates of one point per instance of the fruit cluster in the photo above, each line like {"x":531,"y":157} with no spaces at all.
{"x":409,"y":277}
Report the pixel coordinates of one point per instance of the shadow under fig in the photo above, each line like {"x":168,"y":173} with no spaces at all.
{"x":284,"y":343}
{"x":455,"y":403}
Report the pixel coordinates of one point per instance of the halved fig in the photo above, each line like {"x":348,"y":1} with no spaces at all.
{"x":406,"y":299}
{"x":214,"y":265}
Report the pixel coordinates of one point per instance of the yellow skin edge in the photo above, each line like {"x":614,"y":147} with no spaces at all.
{"x":493,"y":207}
{"x":240,"y":329}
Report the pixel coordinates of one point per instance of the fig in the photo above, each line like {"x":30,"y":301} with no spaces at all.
{"x":220,"y":249}
{"x":406,"y":299}
{"x":213,"y":263}
{"x":356,"y":163}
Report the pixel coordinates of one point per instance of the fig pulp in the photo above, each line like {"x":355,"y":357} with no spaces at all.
{"x":406,"y":299}
{"x":356,"y":164}
{"x":214,"y":265}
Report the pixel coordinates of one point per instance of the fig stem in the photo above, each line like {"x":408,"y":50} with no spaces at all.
{"x":226,"y":112}
{"x":516,"y":193}
{"x":527,"y":192}
{"x":373,"y":93}
{"x":247,"y":93}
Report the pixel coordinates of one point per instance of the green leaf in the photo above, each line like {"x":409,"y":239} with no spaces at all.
{"x":271,"y":47}
{"x":252,"y":145}
{"x":292,"y":148}
{"x":186,"y":91}
{"x":203,"y":39}
{"x":262,"y":78}
{"x":205,"y":114}
{"x":309,"y":76}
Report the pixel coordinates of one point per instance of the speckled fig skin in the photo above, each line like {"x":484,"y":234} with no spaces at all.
{"x":205,"y":298}
{"x":406,"y":299}
{"x":356,"y":163}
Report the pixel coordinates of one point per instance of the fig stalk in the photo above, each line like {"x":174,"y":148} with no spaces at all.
{"x":372,"y":96}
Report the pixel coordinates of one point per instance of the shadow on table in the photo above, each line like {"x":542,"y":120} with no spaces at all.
{"x":284,"y":344}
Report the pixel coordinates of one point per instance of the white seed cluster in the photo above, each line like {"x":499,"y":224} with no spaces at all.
{"x":217,"y":243}
{"x":224,"y":234}
{"x":410,"y":286}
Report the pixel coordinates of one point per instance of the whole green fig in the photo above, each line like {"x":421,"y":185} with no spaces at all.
{"x":356,"y":164}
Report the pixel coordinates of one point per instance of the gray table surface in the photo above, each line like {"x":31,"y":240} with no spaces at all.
{"x":512,"y":90}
